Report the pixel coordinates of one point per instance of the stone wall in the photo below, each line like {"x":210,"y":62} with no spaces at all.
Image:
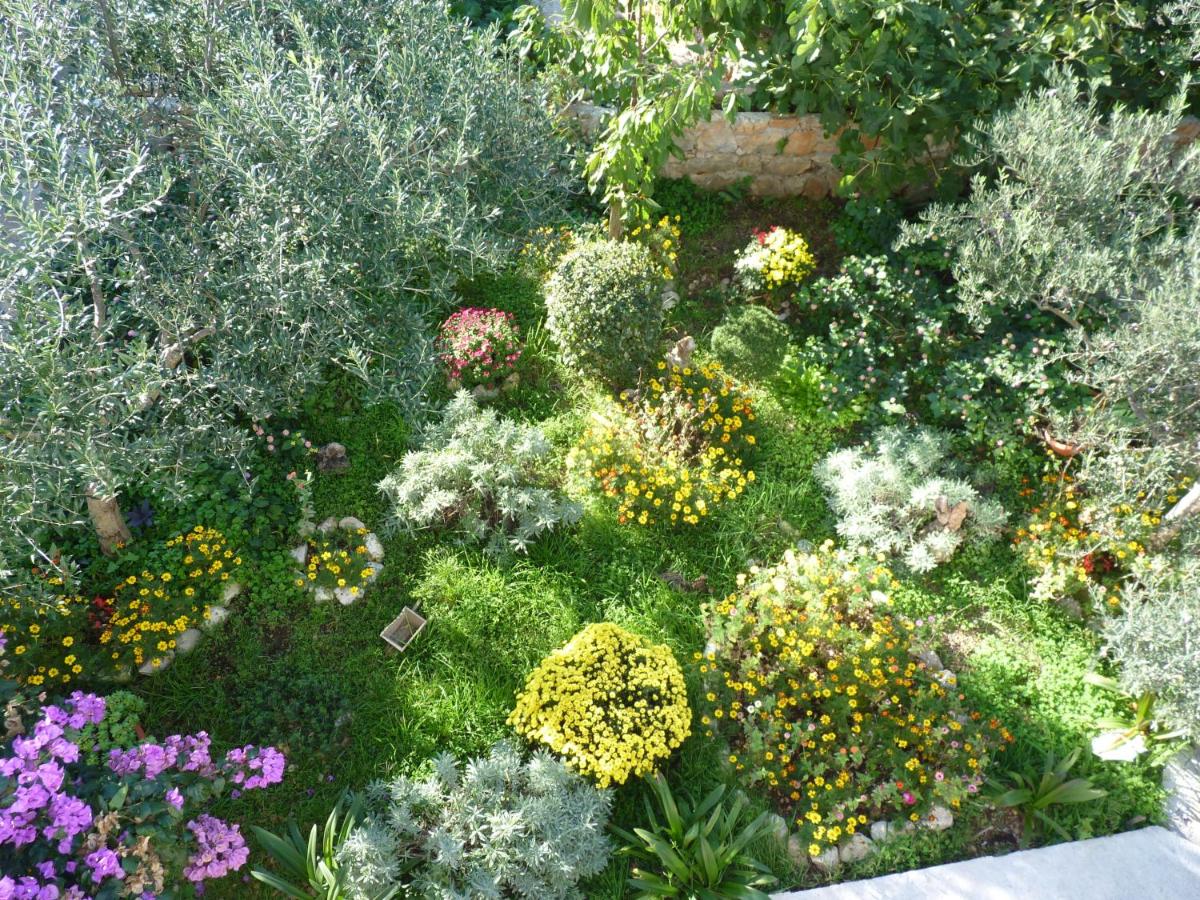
{"x":785,"y":156}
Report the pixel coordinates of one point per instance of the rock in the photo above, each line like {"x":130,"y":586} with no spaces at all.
{"x":483,"y":392}
{"x":1071,"y":607}
{"x":332,"y":458}
{"x":374,"y":546}
{"x":827,"y":861}
{"x":511,"y":383}
{"x":154,"y":666}
{"x":946,"y":679}
{"x":231,"y":590}
{"x":300,"y":553}
{"x":323,"y":595}
{"x":216,"y":615}
{"x":779,"y":829}
{"x":1113,"y":746}
{"x":856,"y":847}
{"x":881,"y":831}
{"x":681,"y":354}
{"x":349,"y":523}
{"x":932,"y":661}
{"x":187,"y":641}
{"x":797,"y":851}
{"x":375,"y":568}
{"x":937,"y":819}
{"x":344,"y":596}
{"x":328,"y":525}
{"x":1181,"y":780}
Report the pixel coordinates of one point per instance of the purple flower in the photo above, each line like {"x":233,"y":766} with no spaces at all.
{"x":103,"y":863}
{"x":220,"y":849}
{"x":175,"y":798}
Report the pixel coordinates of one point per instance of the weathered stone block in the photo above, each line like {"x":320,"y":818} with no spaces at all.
{"x":787,"y":165}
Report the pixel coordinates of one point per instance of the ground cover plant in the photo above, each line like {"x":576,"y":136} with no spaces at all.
{"x":684,"y":630}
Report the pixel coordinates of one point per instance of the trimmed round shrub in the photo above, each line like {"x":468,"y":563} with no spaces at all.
{"x":750,"y":342}
{"x":604,"y":310}
{"x":609,"y":703}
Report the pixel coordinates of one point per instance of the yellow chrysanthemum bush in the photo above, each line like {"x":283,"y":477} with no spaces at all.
{"x":775,"y":262}
{"x":673,"y":450}
{"x":609,"y":703}
{"x":810,"y":679}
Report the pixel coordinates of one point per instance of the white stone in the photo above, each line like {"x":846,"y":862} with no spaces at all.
{"x":154,"y":666}
{"x":300,"y":553}
{"x":328,"y":525}
{"x":779,"y":828}
{"x":232,"y":589}
{"x":1112,"y":746}
{"x":323,"y":595}
{"x":797,"y":851}
{"x":856,"y":847}
{"x":349,"y":523}
{"x":344,"y":596}
{"x":937,"y":819}
{"x":827,"y":861}
{"x":187,"y":641}
{"x":946,"y":678}
{"x":374,"y":547}
{"x":1181,"y":779}
{"x":932,"y":661}
{"x":216,"y":615}
{"x":881,"y":831}
{"x":375,"y":568}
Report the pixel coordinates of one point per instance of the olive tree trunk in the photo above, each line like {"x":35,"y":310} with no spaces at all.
{"x":108,"y":520}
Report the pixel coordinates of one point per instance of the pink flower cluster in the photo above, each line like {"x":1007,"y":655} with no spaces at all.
{"x":479,"y":346}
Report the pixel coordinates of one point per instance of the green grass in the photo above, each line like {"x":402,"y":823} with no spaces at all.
{"x":489,"y":622}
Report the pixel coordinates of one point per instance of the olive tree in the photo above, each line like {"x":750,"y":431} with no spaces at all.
{"x":206,"y":204}
{"x":1092,"y":219}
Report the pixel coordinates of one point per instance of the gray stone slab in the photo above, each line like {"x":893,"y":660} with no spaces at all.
{"x":1150,"y":864}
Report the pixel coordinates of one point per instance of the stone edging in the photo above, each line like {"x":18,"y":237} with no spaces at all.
{"x":374,"y":554}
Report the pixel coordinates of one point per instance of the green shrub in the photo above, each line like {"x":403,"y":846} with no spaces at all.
{"x":904,"y":496}
{"x":750,"y":342}
{"x":866,"y":226}
{"x":122,"y":711}
{"x":697,"y":849}
{"x":481,"y":476}
{"x":604,"y":310}
{"x":1154,"y":639}
{"x":499,"y":826}
{"x":891,"y":341}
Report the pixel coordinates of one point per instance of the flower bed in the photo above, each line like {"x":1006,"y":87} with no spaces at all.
{"x":339,"y":561}
{"x":674,"y":451}
{"x":812,"y":681}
